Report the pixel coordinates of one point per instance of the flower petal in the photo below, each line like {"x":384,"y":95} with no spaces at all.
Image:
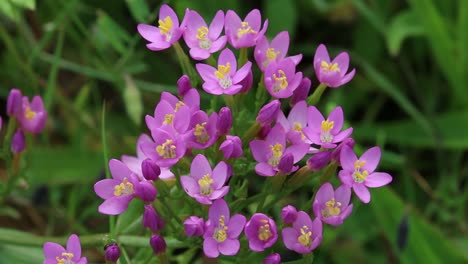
{"x":206,"y":71}
{"x":362,"y":192}
{"x":52,"y":250}
{"x":372,"y":158}
{"x":210,"y":247}
{"x":218,"y":209}
{"x":74,"y":246}
{"x":105,"y":188}
{"x":347,"y":158}
{"x":236,"y":225}
{"x":189,"y":185}
{"x":290,"y":236}
{"x":115,"y":205}
{"x":264,"y":169}
{"x":378,"y":179}
{"x":118,"y":169}
{"x":325,"y":193}
{"x":343,"y":62}
{"x":314,"y":118}
{"x":343,"y":194}
{"x":227,"y":56}
{"x":281,"y":43}
{"x":217,"y":25}
{"x":200,"y":167}
{"x":229,"y":247}
{"x":337,"y":117}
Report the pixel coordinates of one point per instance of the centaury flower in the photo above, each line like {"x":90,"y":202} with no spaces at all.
{"x":32,"y":116}
{"x":202,"y":130}
{"x":304,"y":236}
{"x":261,"y":232}
{"x":332,"y":73}
{"x":276,"y":51}
{"x":244,"y":34}
{"x":56,"y":254}
{"x":165,"y":114}
{"x":167,"y":149}
{"x":332,"y":207}
{"x":359,"y":173}
{"x":295,"y":123}
{"x":281,"y":79}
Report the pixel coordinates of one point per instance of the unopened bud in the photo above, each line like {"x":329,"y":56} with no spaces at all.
{"x":289,"y":214}
{"x":194,"y":226}
{"x":158,"y":244}
{"x":183,"y":85}
{"x":224,"y":120}
{"x":112,"y":252}
{"x":150,"y":169}
{"x":18,"y":142}
{"x":269,"y":112}
{"x":146,"y":191}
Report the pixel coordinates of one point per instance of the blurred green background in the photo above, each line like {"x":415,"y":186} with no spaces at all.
{"x":409,"y":96}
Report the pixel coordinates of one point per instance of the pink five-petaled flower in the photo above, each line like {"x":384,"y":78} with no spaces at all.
{"x":281,"y":79}
{"x":167,"y":33}
{"x":244,"y":34}
{"x":276,"y":51}
{"x":168,"y":147}
{"x":332,"y":73}
{"x":270,"y":151}
{"x":202,"y":130}
{"x":165,"y":114}
{"x":359,"y":173}
{"x":261,"y":232}
{"x":55,"y":253}
{"x":332,"y":207}
{"x":226,"y":79}
{"x":203,"y":40}
{"x":222,"y":231}
{"x":204,"y":184}
{"x":295,"y":123}
{"x":326,"y":133}
{"x":305,"y":235}
{"x":32,"y":116}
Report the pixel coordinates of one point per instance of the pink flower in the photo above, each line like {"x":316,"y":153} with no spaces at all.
{"x":32,"y":117}
{"x":304,"y":236}
{"x":276,"y":51}
{"x":203,"y":184}
{"x":289,"y":214}
{"x":165,"y":114}
{"x":226,"y":79}
{"x":332,"y":207}
{"x":191,"y":98}
{"x":55,"y":253}
{"x":281,"y":79}
{"x":167,"y":33}
{"x":202,"y":130}
{"x":201,"y":39}
{"x":261,"y":232}
{"x":194,"y":226}
{"x":168,"y":148}
{"x":244,"y":34}
{"x":14,"y":103}
{"x":359,"y":173}
{"x":18,"y":142}
{"x":326,"y":133}
{"x":269,"y":112}
{"x":222,"y":231}
{"x":231,"y":147}
{"x":332,"y":73}
{"x":301,"y":92}
{"x":295,"y":123}
{"x":151,"y":219}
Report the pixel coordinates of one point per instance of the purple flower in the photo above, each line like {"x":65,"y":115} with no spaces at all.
{"x":247,"y":82}
{"x":231,"y":147}
{"x":319,"y":160}
{"x":167,"y":149}
{"x":289,"y":214}
{"x":204,"y":184}
{"x":167,"y":33}
{"x":14,"y":102}
{"x":202,"y":130}
{"x":274,"y":258}
{"x":165,"y":114}
{"x":359,"y":173}
{"x":32,"y":116}
{"x":224,"y":120}
{"x":146,"y":191}
{"x":332,"y":207}
{"x":201,"y":39}
{"x":269,"y":152}
{"x":226,"y":79}
{"x":222,"y":231}
{"x":191,"y":98}
{"x":301,"y":92}
{"x":337,"y":151}
{"x":112,"y":253}
{"x":304,"y":236}
{"x":150,"y":170}
{"x":295,"y":123}
{"x":183,"y":85}
{"x":55,"y":253}
{"x":276,"y":51}
{"x":118,"y":191}
{"x":194,"y":226}
{"x":326,"y":133}
{"x":261,"y":232}
{"x":18,"y":142}
{"x":269,"y":112}
{"x":332,"y":73}
{"x":151,"y":219}
{"x":244,"y":34}
{"x":158,"y":244}
{"x":281,"y":79}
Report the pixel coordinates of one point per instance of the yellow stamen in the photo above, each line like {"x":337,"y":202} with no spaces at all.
{"x":304,"y":238}
{"x":271,"y":54}
{"x":200,"y":133}
{"x":329,"y":67}
{"x":277,"y":151}
{"x":245,"y":29}
{"x":123,"y":188}
{"x":222,"y":71}
{"x":165,"y":25}
{"x":178,"y":106}
{"x":264,"y":232}
{"x":281,"y":81}
{"x":168,"y":119}
{"x":29,"y":114}
{"x":202,"y":32}
{"x":359,"y":164}
{"x":205,"y":183}
{"x":67,"y":259}
{"x":327,"y":125}
{"x":167,"y":149}
{"x":298,"y":127}
{"x":220,"y":232}
{"x":332,"y":208}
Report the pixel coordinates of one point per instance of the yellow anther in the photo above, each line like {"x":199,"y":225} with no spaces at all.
{"x":202,"y":32}
{"x":298,"y":127}
{"x":66,"y":260}
{"x":205,"y":183}
{"x":168,"y":119}
{"x":271,"y":54}
{"x":329,"y":67}
{"x":165,"y":25}
{"x":358,"y":164}
{"x":220,"y":232}
{"x":245,"y":29}
{"x":281,"y":81}
{"x":167,"y":149}
{"x":359,"y":176}
{"x":29,"y":114}
{"x":200,"y":133}
{"x":222,"y":71}
{"x":264,"y":232}
{"x":277,"y":152}
{"x":304,"y":238}
{"x":327,"y":125}
{"x":332,"y":208}
{"x":123,"y":188}
{"x":178,"y":106}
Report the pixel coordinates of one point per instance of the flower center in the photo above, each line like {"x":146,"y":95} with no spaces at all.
{"x":358,"y":175}
{"x":277,"y":152}
{"x":223,"y":75}
{"x":29,"y":114}
{"x":220,"y":232}
{"x":67,"y":258}
{"x":271,"y":54}
{"x":304,"y":238}
{"x":202,"y":34}
{"x":264,"y":232}
{"x":205,"y":183}
{"x":329,"y":67}
{"x":245,"y":29}
{"x":326,"y":127}
{"x":123,"y":188}
{"x":168,"y":119}
{"x":281,"y":81}
{"x":165,"y":27}
{"x":201,"y":134}
{"x":332,"y":208}
{"x":167,"y":149}
{"x":178,"y":106}
{"x":298,"y":127}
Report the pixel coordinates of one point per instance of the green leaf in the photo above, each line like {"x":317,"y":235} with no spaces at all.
{"x":281,"y":15}
{"x":29,"y":4}
{"x":402,"y":26}
{"x":133,"y":100}
{"x":13,"y":8}
{"x":139,"y":9}
{"x":20,"y":254}
{"x":131,"y":218}
{"x":109,"y":33}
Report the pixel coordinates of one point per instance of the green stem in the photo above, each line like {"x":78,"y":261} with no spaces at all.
{"x":211,"y":61}
{"x":8,"y":157}
{"x":260,"y":94}
{"x":315,"y":97}
{"x":187,"y":67}
{"x":162,"y":257}
{"x":243,"y":57}
{"x":106,"y":158}
{"x":328,"y":173}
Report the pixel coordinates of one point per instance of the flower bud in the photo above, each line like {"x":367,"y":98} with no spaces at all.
{"x":14,"y":102}
{"x":286,"y":164}
{"x":112,"y":252}
{"x":224,"y":120}
{"x":264,"y":131}
{"x":274,"y":258}
{"x":335,"y":156}
{"x":158,"y":244}
{"x":146,"y":191}
{"x":194,"y":226}
{"x":301,"y":92}
{"x":246,"y":82}
{"x":319,"y":160}
{"x":289,"y":214}
{"x":231,"y":147}
{"x":150,"y":169}
{"x":18,"y":142}
{"x":269,"y":112}
{"x":151,"y":219}
{"x":183,"y":85}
